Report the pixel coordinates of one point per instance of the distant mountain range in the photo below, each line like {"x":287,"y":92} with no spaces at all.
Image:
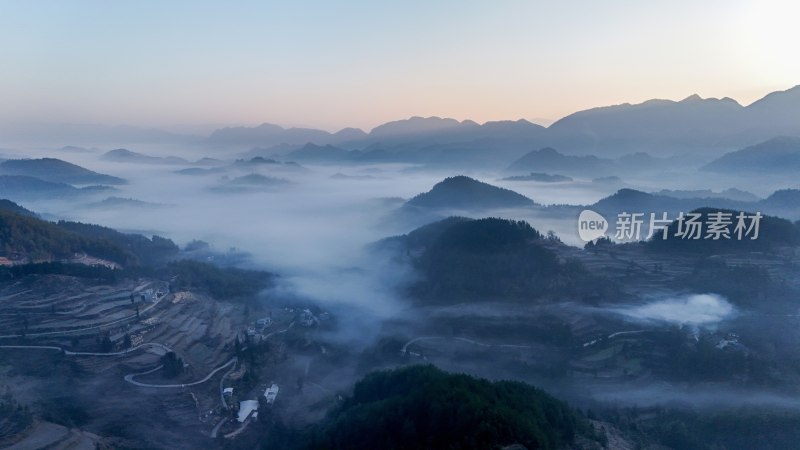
{"x":56,"y":170}
{"x":783,"y":203}
{"x":539,"y":177}
{"x":126,"y":156}
{"x":731,"y":194}
{"x":777,"y":155}
{"x":121,"y":202}
{"x":20,"y":187}
{"x":269,"y":134}
{"x":249,"y":183}
{"x":693,"y":124}
{"x":551,"y":160}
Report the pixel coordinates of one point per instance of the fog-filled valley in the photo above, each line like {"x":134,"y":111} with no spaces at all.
{"x":230,"y":290}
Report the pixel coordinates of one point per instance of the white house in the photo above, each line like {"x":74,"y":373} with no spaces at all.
{"x":245,"y":408}
{"x":271,"y":393}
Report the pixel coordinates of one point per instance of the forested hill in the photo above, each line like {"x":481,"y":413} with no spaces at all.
{"x":773,"y":233}
{"x":9,"y":206}
{"x":461,"y":192}
{"x":462,"y":259}
{"x":154,"y":251}
{"x":422,"y":407}
{"x":24,"y":236}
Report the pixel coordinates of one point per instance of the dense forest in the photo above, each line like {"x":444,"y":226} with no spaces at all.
{"x":422,"y":407}
{"x":41,"y":240}
{"x":227,"y":282}
{"x":493,"y":259}
{"x":155,"y":251}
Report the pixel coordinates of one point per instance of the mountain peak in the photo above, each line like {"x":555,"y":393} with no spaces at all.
{"x":692,"y":98}
{"x":463,"y":192}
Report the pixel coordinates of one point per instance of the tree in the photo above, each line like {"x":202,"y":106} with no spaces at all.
{"x":106,"y":345}
{"x":172,"y":365}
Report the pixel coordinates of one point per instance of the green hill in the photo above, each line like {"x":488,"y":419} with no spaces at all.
{"x":422,"y":407}
{"x":154,"y":251}
{"x":38,"y":240}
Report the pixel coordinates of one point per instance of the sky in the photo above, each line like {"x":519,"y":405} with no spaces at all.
{"x":329,"y":65}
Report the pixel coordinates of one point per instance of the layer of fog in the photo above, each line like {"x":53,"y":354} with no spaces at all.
{"x":691,"y":310}
{"x":313,"y":231}
{"x":708,"y":396}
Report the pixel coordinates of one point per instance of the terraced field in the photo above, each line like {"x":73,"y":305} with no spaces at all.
{"x":64,"y":343}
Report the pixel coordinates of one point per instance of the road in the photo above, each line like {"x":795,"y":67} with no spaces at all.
{"x":71,"y":353}
{"x":129,"y":377}
{"x":222,"y":387}
{"x":82,"y":330}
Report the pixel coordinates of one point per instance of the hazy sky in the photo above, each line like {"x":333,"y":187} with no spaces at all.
{"x":331,"y":64}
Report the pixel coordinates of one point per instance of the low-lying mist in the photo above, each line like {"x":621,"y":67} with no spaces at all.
{"x":690,"y":310}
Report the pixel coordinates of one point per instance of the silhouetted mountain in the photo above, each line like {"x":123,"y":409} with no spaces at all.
{"x":251,"y":182}
{"x":268,"y":134}
{"x":349,"y":134}
{"x":776,"y":114}
{"x":461,"y":192}
{"x":208,"y":162}
{"x":540,"y":177}
{"x":777,"y":155}
{"x":200,"y":171}
{"x":730,"y":194}
{"x":687,"y":125}
{"x":18,"y":187}
{"x":633,"y":201}
{"x":784,"y":203}
{"x":56,"y":170}
{"x":126,"y":156}
{"x":783,"y":198}
{"x":319,"y":153}
{"x":120,"y":202}
{"x":418,"y":126}
{"x":550,"y":160}
{"x":269,"y":151}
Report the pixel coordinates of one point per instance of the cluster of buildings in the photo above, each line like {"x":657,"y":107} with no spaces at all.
{"x":249,"y":408}
{"x":259,"y":326}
